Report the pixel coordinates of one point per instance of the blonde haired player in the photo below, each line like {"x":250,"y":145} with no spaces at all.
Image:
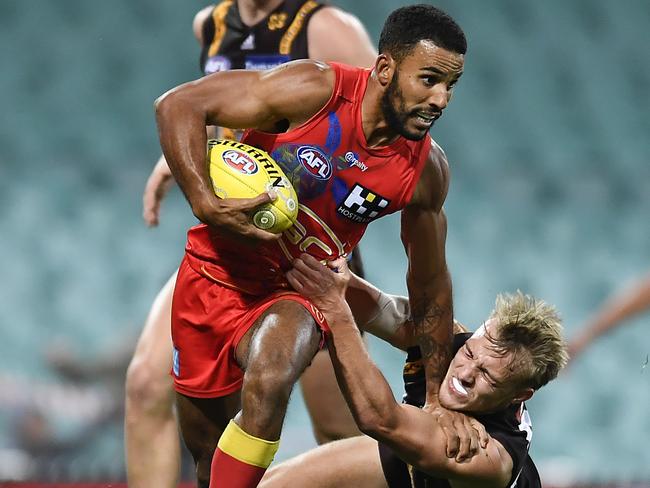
{"x":488,"y":376}
{"x":286,"y":30}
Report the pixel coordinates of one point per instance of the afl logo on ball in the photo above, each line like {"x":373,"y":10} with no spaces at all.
{"x":315,"y":162}
{"x":240,"y":161}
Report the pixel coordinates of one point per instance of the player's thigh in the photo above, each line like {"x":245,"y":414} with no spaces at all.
{"x":282,"y":342}
{"x":350,"y":462}
{"x":148,"y":372}
{"x":330,"y":415}
{"x":155,"y":342}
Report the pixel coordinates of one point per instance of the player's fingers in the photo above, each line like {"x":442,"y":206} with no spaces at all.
{"x":310,"y":268}
{"x":464,"y":441}
{"x":294,"y":279}
{"x":251,"y":231}
{"x":246,"y":204}
{"x":483,"y":436}
{"x":339,"y":265}
{"x":453,"y":442}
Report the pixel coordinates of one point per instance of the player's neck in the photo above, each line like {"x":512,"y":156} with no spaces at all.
{"x":252,"y":11}
{"x":374,"y":124}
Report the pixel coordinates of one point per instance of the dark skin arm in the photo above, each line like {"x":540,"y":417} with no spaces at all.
{"x":416,"y":436}
{"x":424,"y":231}
{"x":293,"y":92}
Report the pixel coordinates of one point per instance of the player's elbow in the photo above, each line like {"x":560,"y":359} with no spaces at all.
{"x":166,"y":104}
{"x":377,"y":423}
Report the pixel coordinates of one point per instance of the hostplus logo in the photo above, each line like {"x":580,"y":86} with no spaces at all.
{"x":362,"y":205}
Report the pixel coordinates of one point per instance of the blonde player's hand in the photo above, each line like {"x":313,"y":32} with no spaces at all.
{"x":323,"y":284}
{"x":465,"y":435}
{"x":158,"y":184}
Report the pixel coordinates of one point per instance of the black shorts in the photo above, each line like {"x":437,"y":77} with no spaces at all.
{"x":395,"y":470}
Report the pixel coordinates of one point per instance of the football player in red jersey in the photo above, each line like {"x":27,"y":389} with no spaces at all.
{"x":516,"y":351}
{"x":241,"y":337}
{"x":225,"y":31}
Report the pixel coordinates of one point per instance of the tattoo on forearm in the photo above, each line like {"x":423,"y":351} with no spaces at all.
{"x":432,"y":336}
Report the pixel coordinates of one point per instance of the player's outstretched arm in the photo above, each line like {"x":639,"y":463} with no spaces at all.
{"x":236,"y":99}
{"x":419,"y":437}
{"x":336,"y":35}
{"x":617,"y":308}
{"x":424,"y":232}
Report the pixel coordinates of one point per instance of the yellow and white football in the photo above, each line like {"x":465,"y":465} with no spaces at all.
{"x":238,"y":170}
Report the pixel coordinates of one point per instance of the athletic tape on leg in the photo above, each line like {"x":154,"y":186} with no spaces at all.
{"x":247,"y":448}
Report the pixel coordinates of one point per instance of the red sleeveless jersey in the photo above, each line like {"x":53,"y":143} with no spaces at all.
{"x":342,"y":186}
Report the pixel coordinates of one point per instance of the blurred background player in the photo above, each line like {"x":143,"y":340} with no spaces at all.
{"x":616,"y":309}
{"x":233,"y":35}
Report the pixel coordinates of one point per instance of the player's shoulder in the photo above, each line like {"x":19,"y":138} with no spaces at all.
{"x":437,"y":160}
{"x":199,"y":19}
{"x":308,"y":70}
{"x":432,"y":187}
{"x":338,"y":26}
{"x":311,"y":84}
{"x":330,"y":16}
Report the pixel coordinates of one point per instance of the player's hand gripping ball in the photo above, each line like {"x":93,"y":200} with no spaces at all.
{"x":238,"y":170}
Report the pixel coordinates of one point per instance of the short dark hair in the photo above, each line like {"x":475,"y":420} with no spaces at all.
{"x":407,"y":26}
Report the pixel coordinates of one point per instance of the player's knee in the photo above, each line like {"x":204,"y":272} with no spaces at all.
{"x":271,"y":387}
{"x":275,"y":477}
{"x":148,"y":388}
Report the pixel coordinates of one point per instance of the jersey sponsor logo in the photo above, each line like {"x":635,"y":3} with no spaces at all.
{"x":240,"y":161}
{"x":353,"y":160}
{"x":362,"y":205}
{"x":265,"y":61}
{"x":176,"y":362}
{"x":314,"y":161}
{"x":216,"y":63}
{"x":249,"y":43}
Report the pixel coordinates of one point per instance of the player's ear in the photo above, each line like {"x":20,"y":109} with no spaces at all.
{"x":523,"y":395}
{"x":385,"y":69}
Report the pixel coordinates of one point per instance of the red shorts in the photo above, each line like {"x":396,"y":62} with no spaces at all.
{"x":209,"y":319}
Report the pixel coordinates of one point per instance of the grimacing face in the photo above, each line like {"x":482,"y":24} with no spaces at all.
{"x":420,"y":89}
{"x":480,"y":380}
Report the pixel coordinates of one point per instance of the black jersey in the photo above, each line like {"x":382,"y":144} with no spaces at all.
{"x":280,"y":37}
{"x":511,"y":427}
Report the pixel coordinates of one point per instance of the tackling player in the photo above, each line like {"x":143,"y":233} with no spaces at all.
{"x":517,"y":350}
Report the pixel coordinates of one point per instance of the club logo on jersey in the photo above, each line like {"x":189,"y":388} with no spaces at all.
{"x":265,"y":61}
{"x":314,"y":161}
{"x":240,"y":161}
{"x":353,"y":160}
{"x":277,"y":21}
{"x":249,"y":43}
{"x":216,"y":63}
{"x":362,"y":205}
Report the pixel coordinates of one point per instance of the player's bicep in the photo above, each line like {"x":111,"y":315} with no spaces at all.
{"x":424,"y":232}
{"x":247,"y":98}
{"x":417,"y":439}
{"x":420,"y":441}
